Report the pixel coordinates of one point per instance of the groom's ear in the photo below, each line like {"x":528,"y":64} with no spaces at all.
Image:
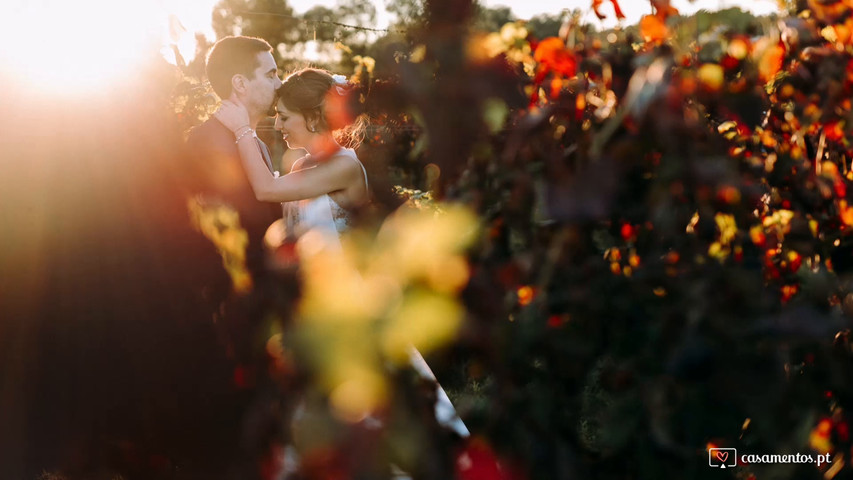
{"x":239,"y":83}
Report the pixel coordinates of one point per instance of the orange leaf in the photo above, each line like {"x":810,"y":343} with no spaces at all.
{"x":552,"y":55}
{"x":526,"y":294}
{"x":652,"y":28}
{"x":663,"y":9}
{"x":556,"y":86}
{"x":788,"y":292}
{"x":842,"y":32}
{"x":338,"y":112}
{"x":846,"y":213}
{"x":829,"y":11}
{"x":771,"y":62}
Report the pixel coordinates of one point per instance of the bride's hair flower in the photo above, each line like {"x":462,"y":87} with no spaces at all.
{"x":340,"y":84}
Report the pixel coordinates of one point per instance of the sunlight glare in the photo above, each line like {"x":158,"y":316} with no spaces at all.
{"x":178,"y":37}
{"x":311,"y":52}
{"x":78,"y":47}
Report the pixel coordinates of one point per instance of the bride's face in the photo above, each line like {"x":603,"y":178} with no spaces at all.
{"x":292,"y":126}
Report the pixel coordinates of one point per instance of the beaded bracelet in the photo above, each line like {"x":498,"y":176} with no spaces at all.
{"x":240,"y":137}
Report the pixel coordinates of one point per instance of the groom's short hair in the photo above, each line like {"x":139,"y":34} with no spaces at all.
{"x":231,"y":56}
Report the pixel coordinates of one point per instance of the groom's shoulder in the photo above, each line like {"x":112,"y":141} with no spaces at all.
{"x":211,"y":135}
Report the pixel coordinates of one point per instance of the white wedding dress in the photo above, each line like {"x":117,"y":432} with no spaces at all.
{"x":319,"y":214}
{"x":323,"y":215}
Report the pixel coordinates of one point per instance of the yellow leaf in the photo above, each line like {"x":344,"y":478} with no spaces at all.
{"x":727,"y":226}
{"x":495,"y":113}
{"x":425,"y":320}
{"x":418,"y":54}
{"x":361,"y":392}
{"x":711,"y":77}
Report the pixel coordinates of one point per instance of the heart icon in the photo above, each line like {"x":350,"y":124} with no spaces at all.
{"x":722,"y":456}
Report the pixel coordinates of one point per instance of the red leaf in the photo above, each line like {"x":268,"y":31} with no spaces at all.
{"x":834,"y":131}
{"x":627,"y":231}
{"x":556,"y":321}
{"x":477,"y":461}
{"x":616,"y":9}
{"x":595,"y":5}
{"x":241,"y":377}
{"x":619,"y":14}
{"x":534,"y":98}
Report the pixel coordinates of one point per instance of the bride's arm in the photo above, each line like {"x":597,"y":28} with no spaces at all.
{"x":337,"y":173}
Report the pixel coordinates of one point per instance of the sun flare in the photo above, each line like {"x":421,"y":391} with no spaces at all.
{"x":82,"y":46}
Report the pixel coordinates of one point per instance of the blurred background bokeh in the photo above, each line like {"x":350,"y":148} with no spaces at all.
{"x":624,"y":240}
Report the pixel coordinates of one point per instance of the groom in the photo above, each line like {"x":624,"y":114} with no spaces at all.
{"x":240,"y":69}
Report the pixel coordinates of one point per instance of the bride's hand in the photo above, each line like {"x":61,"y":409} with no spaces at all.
{"x":233,"y":115}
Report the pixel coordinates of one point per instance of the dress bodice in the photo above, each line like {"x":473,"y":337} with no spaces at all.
{"x":321,"y":213}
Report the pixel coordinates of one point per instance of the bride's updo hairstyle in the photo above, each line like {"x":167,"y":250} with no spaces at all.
{"x":324,"y":100}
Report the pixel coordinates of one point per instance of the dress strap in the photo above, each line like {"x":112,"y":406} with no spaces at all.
{"x":364,"y":171}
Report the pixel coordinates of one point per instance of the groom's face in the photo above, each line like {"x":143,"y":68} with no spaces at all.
{"x":263,"y":84}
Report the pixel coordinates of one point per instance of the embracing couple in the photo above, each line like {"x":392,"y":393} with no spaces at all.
{"x":322,"y":187}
